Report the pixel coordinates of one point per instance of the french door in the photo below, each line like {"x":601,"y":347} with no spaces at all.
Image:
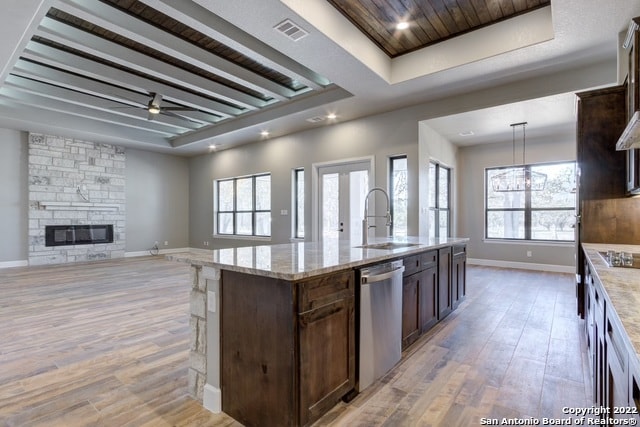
{"x":342,"y":189}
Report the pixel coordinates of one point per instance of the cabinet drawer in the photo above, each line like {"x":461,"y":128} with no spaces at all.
{"x":324,"y":290}
{"x":459,"y":249}
{"x":429,"y":259}
{"x":412,"y":264}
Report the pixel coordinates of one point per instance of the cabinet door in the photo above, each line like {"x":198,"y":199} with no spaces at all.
{"x":428,"y":293}
{"x":617,"y":385}
{"x":458,"y":285}
{"x":410,"y":310}
{"x":633,"y":171}
{"x":327,"y":357}
{"x":444,"y":282}
{"x":634,"y":393}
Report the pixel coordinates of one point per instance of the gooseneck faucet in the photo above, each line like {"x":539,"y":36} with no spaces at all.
{"x":365,"y":220}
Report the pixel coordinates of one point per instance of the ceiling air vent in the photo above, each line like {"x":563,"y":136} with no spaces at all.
{"x":291,"y":30}
{"x":316,"y":119}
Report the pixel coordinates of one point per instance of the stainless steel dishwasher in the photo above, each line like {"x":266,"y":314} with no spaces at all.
{"x":380,"y":341}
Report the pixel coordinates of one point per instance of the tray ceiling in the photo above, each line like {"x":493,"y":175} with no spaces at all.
{"x":430,"y":21}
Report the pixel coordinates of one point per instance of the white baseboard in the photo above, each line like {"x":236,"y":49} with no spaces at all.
{"x":160,"y":252}
{"x":522,"y":265}
{"x":9,"y":264}
{"x":212,"y":398}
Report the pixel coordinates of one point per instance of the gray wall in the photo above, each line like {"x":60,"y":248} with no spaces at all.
{"x":382,"y":136}
{"x":14,"y":199}
{"x":473,"y":160}
{"x":157,"y":199}
{"x":157,"y":194}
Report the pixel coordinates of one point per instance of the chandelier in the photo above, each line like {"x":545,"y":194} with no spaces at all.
{"x":519,"y":178}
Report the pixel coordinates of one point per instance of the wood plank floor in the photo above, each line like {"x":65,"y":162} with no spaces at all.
{"x":105,"y":344}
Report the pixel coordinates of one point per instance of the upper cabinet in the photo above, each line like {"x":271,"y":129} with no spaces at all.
{"x":630,"y":137}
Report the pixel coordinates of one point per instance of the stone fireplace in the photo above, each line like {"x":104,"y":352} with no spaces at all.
{"x":77,"y":190}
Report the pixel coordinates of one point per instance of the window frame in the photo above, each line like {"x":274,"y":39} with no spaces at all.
{"x":234,"y":211}
{"x":296,"y":173}
{"x":392,"y":197}
{"x":437,"y":209}
{"x":527,"y":209}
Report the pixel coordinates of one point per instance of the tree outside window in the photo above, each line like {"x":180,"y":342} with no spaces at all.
{"x":547,"y":214}
{"x":244,"y":206}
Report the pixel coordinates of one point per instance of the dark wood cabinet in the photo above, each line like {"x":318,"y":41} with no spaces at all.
{"x":632,"y":46}
{"x":410,"y":309}
{"x":287,"y":348}
{"x":601,"y":173}
{"x":433,"y":285}
{"x":445,"y":302}
{"x":428,"y":298}
{"x":419,"y":295}
{"x":458,"y":274}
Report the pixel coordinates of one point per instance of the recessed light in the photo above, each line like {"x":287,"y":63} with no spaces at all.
{"x":402,"y":25}
{"x":466,"y":133}
{"x":264,"y":133}
{"x":212,"y":146}
{"x":331,"y":116}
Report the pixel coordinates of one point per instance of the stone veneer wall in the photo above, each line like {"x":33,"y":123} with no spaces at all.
{"x":58,"y":167}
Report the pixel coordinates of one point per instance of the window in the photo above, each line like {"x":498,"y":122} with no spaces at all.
{"x":439,"y":200}
{"x":298,"y":203}
{"x":547,"y":214}
{"x":244,"y":206}
{"x":398,"y":196}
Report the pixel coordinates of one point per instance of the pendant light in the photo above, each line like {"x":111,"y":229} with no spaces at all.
{"x":519,"y":178}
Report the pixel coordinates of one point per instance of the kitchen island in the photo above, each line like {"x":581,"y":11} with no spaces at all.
{"x":274,"y":327}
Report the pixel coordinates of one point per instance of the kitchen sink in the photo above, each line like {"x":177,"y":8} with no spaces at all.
{"x":388,"y":245}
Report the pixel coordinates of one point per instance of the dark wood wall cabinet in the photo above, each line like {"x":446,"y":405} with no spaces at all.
{"x":614,"y":371}
{"x":434,"y":283}
{"x":630,"y":138}
{"x":605,"y":213}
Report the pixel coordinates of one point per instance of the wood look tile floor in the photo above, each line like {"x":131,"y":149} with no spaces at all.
{"x":106,"y":344}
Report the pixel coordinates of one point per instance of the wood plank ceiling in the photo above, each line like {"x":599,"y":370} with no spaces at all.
{"x":430,"y":21}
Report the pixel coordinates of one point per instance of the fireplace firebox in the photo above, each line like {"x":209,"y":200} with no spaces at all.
{"x":63,"y":235}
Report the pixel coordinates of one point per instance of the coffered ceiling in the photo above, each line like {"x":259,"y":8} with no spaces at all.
{"x":220,"y":72}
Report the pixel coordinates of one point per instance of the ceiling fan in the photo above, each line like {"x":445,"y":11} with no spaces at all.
{"x":154,"y":107}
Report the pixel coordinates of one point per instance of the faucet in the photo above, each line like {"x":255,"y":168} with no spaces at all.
{"x":365,"y":220}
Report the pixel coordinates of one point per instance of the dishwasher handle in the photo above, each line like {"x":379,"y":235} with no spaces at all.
{"x":365,"y":279}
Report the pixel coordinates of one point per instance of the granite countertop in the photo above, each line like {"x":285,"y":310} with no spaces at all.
{"x":622,"y":286}
{"x":295,"y":261}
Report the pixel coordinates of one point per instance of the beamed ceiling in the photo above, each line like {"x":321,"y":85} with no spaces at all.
{"x":107,"y":60}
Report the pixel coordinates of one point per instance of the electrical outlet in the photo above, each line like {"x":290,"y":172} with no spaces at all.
{"x":529,"y":254}
{"x":166,"y":243}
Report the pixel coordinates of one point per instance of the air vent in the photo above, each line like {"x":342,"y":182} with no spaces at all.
{"x":291,"y":30}
{"x":316,"y":119}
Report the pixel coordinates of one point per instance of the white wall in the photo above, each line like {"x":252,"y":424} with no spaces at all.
{"x":472,"y":162}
